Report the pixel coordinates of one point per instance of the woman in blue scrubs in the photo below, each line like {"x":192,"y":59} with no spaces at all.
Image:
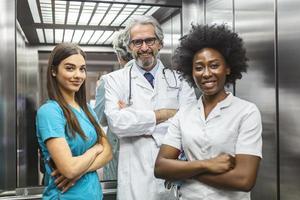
{"x":73,"y":144}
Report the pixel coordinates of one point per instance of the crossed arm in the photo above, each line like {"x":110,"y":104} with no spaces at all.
{"x":68,"y":168}
{"x":223,"y":171}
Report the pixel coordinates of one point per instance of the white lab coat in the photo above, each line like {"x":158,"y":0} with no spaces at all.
{"x":135,"y":125}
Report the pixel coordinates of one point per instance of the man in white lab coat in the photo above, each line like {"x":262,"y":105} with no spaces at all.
{"x":139,"y":100}
{"x":110,"y":170}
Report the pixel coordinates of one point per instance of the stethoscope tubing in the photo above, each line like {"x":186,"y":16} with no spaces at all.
{"x":164,"y":74}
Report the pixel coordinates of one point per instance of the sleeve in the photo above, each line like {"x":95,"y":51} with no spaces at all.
{"x":100,"y":102}
{"x":250,"y":140}
{"x":126,"y":122}
{"x":173,"y":136}
{"x":51,"y":122}
{"x":187,"y":94}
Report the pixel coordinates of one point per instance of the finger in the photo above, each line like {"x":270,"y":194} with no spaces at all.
{"x":63,"y":184}
{"x":55,"y":172}
{"x":68,"y":186}
{"x":59,"y":179}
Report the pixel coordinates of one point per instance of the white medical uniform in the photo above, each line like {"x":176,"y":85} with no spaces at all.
{"x":135,"y":125}
{"x":110,"y":169}
{"x":233,"y":126}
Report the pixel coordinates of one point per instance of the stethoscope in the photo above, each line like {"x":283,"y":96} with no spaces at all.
{"x":164,"y":74}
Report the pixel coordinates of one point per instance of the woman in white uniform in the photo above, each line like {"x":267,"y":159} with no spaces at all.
{"x":220,"y":134}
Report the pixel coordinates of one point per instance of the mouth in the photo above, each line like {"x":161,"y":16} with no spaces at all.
{"x":76,"y":83}
{"x":208,"y":84}
{"x":145,"y":55}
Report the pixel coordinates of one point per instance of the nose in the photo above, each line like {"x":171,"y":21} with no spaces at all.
{"x":207,"y":72}
{"x":79,"y":74}
{"x":144,"y":46}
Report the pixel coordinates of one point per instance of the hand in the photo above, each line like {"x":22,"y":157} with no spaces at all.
{"x":62,"y":182}
{"x":164,"y":114}
{"x":220,"y":164}
{"x":98,"y":147}
{"x":121,"y":104}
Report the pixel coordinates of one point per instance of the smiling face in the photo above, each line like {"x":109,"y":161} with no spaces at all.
{"x":144,"y":54}
{"x":209,"y":72}
{"x":71,"y":73}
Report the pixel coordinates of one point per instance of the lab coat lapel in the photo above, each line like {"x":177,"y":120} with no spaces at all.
{"x":158,"y":78}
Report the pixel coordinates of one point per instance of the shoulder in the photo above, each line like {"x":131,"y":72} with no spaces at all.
{"x":117,"y":74}
{"x":49,"y":108}
{"x":186,"y":109}
{"x":244,"y":105}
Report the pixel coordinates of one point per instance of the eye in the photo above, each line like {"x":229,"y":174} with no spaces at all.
{"x":198,"y":67}
{"x":214,"y":65}
{"x":69,"y":67}
{"x":150,"y":41}
{"x":83,"y":69}
{"x":137,"y":42}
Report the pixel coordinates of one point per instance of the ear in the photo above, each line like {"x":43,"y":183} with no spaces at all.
{"x":53,"y":73}
{"x":160,"y":46}
{"x":228,"y":71}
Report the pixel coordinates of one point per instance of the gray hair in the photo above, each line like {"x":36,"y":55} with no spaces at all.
{"x":143,"y":20}
{"x":120,"y":47}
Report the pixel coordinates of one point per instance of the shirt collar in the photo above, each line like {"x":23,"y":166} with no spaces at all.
{"x":152,"y":71}
{"x":222,"y":104}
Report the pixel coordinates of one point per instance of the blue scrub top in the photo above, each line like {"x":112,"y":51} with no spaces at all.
{"x":51,"y":123}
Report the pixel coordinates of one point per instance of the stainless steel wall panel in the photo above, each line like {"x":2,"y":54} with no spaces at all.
{"x":289,"y":95}
{"x":219,"y":12}
{"x":255,"y":22}
{"x":193,"y":11}
{"x":27,"y":98}
{"x":172,"y":33}
{"x":7,"y":96}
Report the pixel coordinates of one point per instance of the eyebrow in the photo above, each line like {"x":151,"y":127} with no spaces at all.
{"x":210,"y":61}
{"x":74,"y":64}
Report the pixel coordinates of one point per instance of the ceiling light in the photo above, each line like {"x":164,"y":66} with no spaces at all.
{"x":49,"y":35}
{"x":40,"y":34}
{"x":34,"y":11}
{"x":86,"y":36}
{"x":68,"y":35}
{"x":77,"y":36}
{"x":59,"y":35}
{"x":95,"y":37}
{"x":104,"y":37}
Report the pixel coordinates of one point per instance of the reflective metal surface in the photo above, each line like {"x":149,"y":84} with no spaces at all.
{"x":289,"y":95}
{"x":27,"y":99}
{"x":7,"y":96}
{"x":193,"y":11}
{"x":219,"y":12}
{"x":255,"y":22}
{"x":172,"y":33}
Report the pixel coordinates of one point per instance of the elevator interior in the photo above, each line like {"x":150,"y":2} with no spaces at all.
{"x":270,"y":31}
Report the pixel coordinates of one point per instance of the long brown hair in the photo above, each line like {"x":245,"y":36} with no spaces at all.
{"x":58,"y":54}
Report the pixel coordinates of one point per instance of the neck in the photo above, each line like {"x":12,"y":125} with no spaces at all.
{"x":69,"y":98}
{"x":212,"y":100}
{"x":147,"y":68}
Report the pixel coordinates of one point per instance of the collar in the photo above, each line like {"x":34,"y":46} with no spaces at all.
{"x":152,"y":71}
{"x":217,"y":110}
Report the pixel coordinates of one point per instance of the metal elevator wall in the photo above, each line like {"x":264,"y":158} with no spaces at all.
{"x":289,"y":95}
{"x":7,"y":96}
